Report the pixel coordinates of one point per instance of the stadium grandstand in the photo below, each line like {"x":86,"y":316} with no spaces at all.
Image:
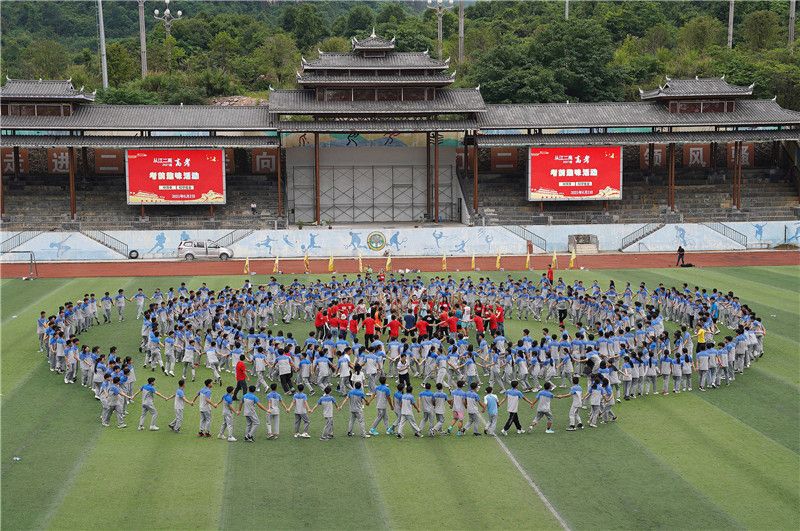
{"x":377,"y":135}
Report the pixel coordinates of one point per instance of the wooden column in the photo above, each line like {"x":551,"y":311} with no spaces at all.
{"x":651,"y":149}
{"x":436,"y":177}
{"x":2,"y":195}
{"x":427,"y":174}
{"x":713,"y":150}
{"x":16,"y":163}
{"x":671,"y":178}
{"x":737,"y":175}
{"x":85,"y":157}
{"x":279,"y":173}
{"x":211,"y":212}
{"x":72,"y":200}
{"x":475,"y":173}
{"x":317,"y":209}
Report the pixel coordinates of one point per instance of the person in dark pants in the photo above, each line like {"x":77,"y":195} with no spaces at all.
{"x":681,"y":254}
{"x":513,"y":396}
{"x":241,"y":377}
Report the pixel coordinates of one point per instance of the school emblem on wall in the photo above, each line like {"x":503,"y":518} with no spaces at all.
{"x":376,"y":241}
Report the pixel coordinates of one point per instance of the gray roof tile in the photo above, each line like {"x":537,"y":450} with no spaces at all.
{"x":698,"y":87}
{"x":150,"y":117}
{"x":32,"y":89}
{"x":628,"y":114}
{"x":377,"y":126}
{"x":329,"y":60}
{"x":131,"y":142}
{"x":620,"y":139}
{"x":305,"y":102}
{"x":365,"y":80}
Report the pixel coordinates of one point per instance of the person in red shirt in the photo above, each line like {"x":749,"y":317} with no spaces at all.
{"x":333,"y":324}
{"x":492,"y":322}
{"x":319,"y":323}
{"x":369,"y":330}
{"x":394,"y":328}
{"x":550,"y":273}
{"x":479,"y":325}
{"x":442,"y":325}
{"x":500,"y":315}
{"x":353,"y":327}
{"x":241,"y":377}
{"x":452,"y":324}
{"x":422,"y":329}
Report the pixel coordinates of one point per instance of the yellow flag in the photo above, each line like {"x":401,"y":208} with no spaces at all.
{"x":497,"y":262}
{"x":306,"y":263}
{"x":360,"y":263}
{"x":331,"y":266}
{"x":572,"y":259}
{"x":247,"y":266}
{"x":276,"y":266}
{"x":528,"y":261}
{"x":388,"y":263}
{"x":472,"y":263}
{"x":444,"y":262}
{"x":554,"y":263}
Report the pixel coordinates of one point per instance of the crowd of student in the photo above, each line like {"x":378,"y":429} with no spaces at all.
{"x":449,"y":334}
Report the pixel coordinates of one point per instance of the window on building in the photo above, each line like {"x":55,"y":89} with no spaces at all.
{"x":48,"y":110}
{"x":388,"y":94}
{"x":689,"y":107}
{"x":713,"y":106}
{"x":363,"y":94}
{"x":414,"y":93}
{"x":338,"y":95}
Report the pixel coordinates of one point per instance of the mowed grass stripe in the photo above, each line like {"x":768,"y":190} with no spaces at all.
{"x":296,"y":483}
{"x":704,"y":447}
{"x":601,"y":478}
{"x":464,"y":483}
{"x":131,"y":475}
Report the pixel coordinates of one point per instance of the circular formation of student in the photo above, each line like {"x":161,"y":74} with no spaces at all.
{"x":605,"y":346}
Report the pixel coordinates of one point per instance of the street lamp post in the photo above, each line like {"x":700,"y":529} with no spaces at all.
{"x":439,"y":7}
{"x":102,"y":29}
{"x":167,"y":18}
{"x":142,"y":38}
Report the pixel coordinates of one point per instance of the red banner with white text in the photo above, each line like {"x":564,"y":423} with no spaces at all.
{"x":175,"y":176}
{"x":574,"y":173}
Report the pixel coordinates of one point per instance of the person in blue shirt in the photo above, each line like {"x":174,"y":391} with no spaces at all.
{"x":513,"y":396}
{"x":357,"y":400}
{"x":383,"y":403}
{"x":543,"y":399}
{"x":300,"y":405}
{"x":328,"y":403}
{"x":490,"y":401}
{"x":228,"y":411}
{"x":180,"y":400}
{"x":576,"y":393}
{"x":148,"y":393}
{"x":250,"y":402}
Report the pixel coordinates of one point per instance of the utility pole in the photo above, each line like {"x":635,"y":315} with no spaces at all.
{"x":167,"y":18}
{"x":730,"y":24}
{"x":792,"y":9}
{"x":142,"y":38}
{"x":460,"y":31}
{"x":439,"y":8}
{"x":566,"y":9}
{"x":103,"y":60}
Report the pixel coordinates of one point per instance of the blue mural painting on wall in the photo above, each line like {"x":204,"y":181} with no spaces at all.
{"x":759,"y":230}
{"x":312,"y":243}
{"x":395,"y":240}
{"x":287,"y":242}
{"x":266,"y":243}
{"x":460,"y":247}
{"x":437,"y":235}
{"x":680,"y":235}
{"x":158,"y":243}
{"x":185,"y":236}
{"x":60,"y":246}
{"x":796,"y":236}
{"x":355,"y":241}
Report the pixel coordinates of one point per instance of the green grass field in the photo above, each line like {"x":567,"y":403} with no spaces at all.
{"x":720,"y":459}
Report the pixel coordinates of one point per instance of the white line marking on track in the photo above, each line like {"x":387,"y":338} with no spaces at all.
{"x":531,"y":483}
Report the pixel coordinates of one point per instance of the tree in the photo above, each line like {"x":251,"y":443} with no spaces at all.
{"x":126,"y":96}
{"x":122,"y":65}
{"x":701,"y":33}
{"x":45,"y":59}
{"x":305,"y":23}
{"x":659,"y":36}
{"x":335,"y":44}
{"x":760,"y":30}
{"x":578,"y":52}
{"x":391,"y":12}
{"x":222,"y":49}
{"x":509,"y":74}
{"x":360,"y":18}
{"x":276,"y":62}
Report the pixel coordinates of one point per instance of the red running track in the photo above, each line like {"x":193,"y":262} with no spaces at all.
{"x":136,"y":268}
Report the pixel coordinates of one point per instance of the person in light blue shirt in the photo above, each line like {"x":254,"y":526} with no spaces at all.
{"x":357,"y":400}
{"x":228,"y":411}
{"x":148,"y":393}
{"x":328,"y":403}
{"x":250,"y":402}
{"x":180,"y":400}
{"x":490,"y":400}
{"x":543,"y":399}
{"x":576,"y":393}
